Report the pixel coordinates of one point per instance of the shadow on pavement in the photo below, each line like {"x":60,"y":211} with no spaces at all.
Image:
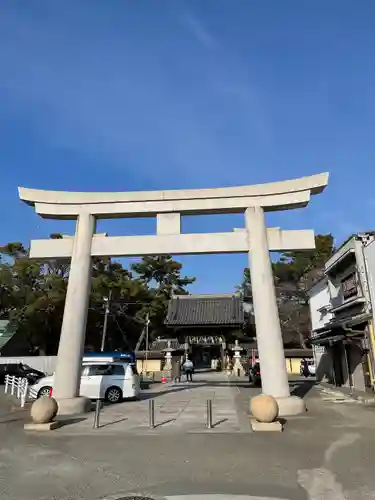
{"x":216,"y":424}
{"x":114,"y":422}
{"x":69,"y":421}
{"x":182,"y":386}
{"x":171,"y":389}
{"x":160,"y":424}
{"x":11,"y":420}
{"x":301,"y":388}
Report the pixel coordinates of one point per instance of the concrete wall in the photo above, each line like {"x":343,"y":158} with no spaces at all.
{"x":354,"y":360}
{"x":356,"y":367}
{"x":319,"y":297}
{"x":45,"y":364}
{"x":293,"y":365}
{"x":369,"y":254}
{"x":149,"y":365}
{"x":324,"y":364}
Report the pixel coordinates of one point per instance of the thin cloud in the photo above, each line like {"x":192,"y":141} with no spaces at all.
{"x":111,"y":98}
{"x":199,"y":31}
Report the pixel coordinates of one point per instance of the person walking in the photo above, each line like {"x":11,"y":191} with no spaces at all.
{"x":188,"y":370}
{"x":305,"y":368}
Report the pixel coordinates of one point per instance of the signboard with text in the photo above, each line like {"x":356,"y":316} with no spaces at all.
{"x":205,"y":340}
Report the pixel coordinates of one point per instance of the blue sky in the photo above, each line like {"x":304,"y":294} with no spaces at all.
{"x":138,"y":95}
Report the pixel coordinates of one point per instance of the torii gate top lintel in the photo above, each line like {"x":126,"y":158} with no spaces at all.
{"x":271,"y":196}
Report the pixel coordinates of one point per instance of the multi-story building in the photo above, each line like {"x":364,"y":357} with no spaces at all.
{"x":341,"y":308}
{"x":320,"y":303}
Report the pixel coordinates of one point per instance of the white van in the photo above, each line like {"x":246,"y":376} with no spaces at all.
{"x":103,"y":379}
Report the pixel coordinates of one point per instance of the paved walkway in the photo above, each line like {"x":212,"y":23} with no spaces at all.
{"x":179,"y":407}
{"x":325,"y":454}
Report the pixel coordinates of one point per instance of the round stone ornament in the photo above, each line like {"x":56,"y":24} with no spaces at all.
{"x":264,"y":408}
{"x":43,"y":410}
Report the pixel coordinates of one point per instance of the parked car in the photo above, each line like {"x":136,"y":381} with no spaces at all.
{"x":20,"y":370}
{"x":308,"y":368}
{"x":112,"y":381}
{"x":312,"y":368}
{"x":254,"y":375}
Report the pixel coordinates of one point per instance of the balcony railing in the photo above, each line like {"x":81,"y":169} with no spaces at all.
{"x":339,"y":303}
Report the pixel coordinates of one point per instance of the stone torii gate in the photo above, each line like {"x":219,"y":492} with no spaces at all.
{"x":167,"y":206}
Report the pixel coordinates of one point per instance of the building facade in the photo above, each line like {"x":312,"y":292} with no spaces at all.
{"x":341,"y":310}
{"x":320,"y":316}
{"x":205,"y":324}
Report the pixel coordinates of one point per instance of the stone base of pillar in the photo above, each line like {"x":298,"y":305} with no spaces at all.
{"x":74,"y":406}
{"x":292,"y":405}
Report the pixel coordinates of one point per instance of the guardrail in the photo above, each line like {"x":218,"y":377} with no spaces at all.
{"x":19,"y":387}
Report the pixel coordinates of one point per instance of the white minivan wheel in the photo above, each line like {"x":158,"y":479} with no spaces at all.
{"x":44,"y":391}
{"x":113,"y":394}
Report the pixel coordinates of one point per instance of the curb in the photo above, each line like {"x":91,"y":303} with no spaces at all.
{"x":366,"y":401}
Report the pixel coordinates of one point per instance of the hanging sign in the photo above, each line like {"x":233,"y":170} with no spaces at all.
{"x":205,"y":340}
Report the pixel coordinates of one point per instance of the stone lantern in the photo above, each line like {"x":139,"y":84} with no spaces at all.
{"x":168,"y":357}
{"x":238,"y":369}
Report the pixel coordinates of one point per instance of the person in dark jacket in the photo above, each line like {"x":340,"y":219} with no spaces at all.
{"x":305,"y":368}
{"x":188,"y":368}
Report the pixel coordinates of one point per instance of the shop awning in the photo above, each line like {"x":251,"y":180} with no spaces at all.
{"x":337,"y":331}
{"x":330,"y":339}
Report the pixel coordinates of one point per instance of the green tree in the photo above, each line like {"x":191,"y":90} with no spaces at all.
{"x":32,"y":296}
{"x":129,"y":298}
{"x":163,"y":277}
{"x":163,"y":274}
{"x":294,"y":273}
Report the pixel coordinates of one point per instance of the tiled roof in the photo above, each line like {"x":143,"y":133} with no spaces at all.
{"x":190,"y":310}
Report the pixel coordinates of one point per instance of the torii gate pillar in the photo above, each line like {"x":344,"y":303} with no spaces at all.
{"x":73,"y":329}
{"x":267,"y":321}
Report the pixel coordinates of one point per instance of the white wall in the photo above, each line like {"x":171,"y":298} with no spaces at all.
{"x":45,"y":364}
{"x":369,"y":252}
{"x":319,"y":297}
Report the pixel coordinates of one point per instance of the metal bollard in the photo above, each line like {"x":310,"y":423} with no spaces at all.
{"x":13,"y":385}
{"x":209,"y":413}
{"x":151,"y":413}
{"x":97,"y":413}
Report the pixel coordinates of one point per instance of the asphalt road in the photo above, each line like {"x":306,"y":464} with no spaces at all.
{"x":327,"y":454}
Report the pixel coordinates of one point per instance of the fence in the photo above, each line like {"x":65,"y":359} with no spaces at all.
{"x":19,"y":387}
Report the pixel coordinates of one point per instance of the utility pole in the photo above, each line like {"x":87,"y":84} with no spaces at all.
{"x":147,"y":323}
{"x":107,"y":301}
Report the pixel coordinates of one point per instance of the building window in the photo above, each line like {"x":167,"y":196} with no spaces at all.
{"x":118,"y":370}
{"x":99,"y":370}
{"x":349,"y":287}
